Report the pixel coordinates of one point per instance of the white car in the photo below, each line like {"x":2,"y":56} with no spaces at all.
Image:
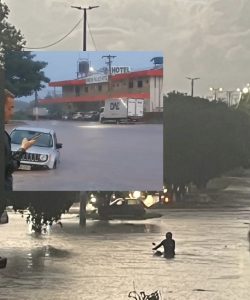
{"x":43,"y":154}
{"x":78,"y":116}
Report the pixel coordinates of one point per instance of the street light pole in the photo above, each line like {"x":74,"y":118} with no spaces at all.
{"x":215,"y":90}
{"x":192,"y":84}
{"x":84,"y":23}
{"x":229,"y":96}
{"x":246,"y":92}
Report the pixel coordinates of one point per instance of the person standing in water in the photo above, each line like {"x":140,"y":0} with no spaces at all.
{"x":168,"y":245}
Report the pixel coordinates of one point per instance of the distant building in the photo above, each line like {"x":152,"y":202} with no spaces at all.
{"x":90,"y":92}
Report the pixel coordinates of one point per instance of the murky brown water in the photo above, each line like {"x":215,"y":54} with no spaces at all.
{"x":102,"y":262}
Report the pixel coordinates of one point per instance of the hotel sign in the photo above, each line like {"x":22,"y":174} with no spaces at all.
{"x":120,"y":70}
{"x":96,"y":78}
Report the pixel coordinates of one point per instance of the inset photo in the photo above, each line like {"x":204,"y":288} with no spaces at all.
{"x":83,"y":121}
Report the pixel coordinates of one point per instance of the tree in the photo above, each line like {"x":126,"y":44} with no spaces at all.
{"x":44,"y":208}
{"x":10,"y":37}
{"x":23,"y":75}
{"x":202,"y":140}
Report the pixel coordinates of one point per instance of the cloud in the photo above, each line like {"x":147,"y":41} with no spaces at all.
{"x":202,"y":38}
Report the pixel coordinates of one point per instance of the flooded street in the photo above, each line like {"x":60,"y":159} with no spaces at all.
{"x":98,"y":156}
{"x":102,"y":262}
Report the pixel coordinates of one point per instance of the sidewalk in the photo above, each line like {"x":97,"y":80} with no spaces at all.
{"x":228,"y":191}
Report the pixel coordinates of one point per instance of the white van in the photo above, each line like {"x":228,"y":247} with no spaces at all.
{"x":122,"y":110}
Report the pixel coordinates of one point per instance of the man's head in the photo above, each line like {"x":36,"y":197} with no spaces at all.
{"x":169,"y":235}
{"x":8,"y":105}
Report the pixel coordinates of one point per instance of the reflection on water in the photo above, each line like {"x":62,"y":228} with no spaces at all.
{"x":100,"y":227}
{"x":103,"y":260}
{"x":36,"y":257}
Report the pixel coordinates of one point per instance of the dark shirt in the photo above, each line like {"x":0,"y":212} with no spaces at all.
{"x":169,"y":247}
{"x":12,"y":162}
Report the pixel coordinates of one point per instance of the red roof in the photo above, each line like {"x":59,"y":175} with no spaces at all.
{"x":67,"y":82}
{"x":145,"y":73}
{"x":103,"y":97}
{"x":130,"y":75}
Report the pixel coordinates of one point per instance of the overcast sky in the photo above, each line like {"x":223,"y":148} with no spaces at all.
{"x":209,"y":39}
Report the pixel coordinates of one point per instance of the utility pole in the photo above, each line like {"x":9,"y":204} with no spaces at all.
{"x":36,"y":105}
{"x":192,"y":84}
{"x":85,"y":23}
{"x":83,"y":197}
{"x":109,"y":63}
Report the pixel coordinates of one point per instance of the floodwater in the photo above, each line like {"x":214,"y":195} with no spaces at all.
{"x":107,"y":260}
{"x":99,"y":157}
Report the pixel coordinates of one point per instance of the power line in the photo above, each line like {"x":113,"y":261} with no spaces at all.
{"x":92,"y":37}
{"x":61,"y":39}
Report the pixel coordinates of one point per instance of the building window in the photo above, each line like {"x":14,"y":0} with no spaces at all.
{"x":99,"y":88}
{"x":77,"y":90}
{"x":147,"y":81}
{"x":86,"y":89}
{"x":130,"y":84}
{"x":139,"y":83}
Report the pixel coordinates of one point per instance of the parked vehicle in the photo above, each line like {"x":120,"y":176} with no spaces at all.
{"x":91,"y":116}
{"x":40,"y":112}
{"x":44,"y":153}
{"x":122,"y":207}
{"x":122,"y":110}
{"x":65,"y":117}
{"x":115,"y":205}
{"x":78,"y":116}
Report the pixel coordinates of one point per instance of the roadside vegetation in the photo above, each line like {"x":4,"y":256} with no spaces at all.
{"x":202,"y":141}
